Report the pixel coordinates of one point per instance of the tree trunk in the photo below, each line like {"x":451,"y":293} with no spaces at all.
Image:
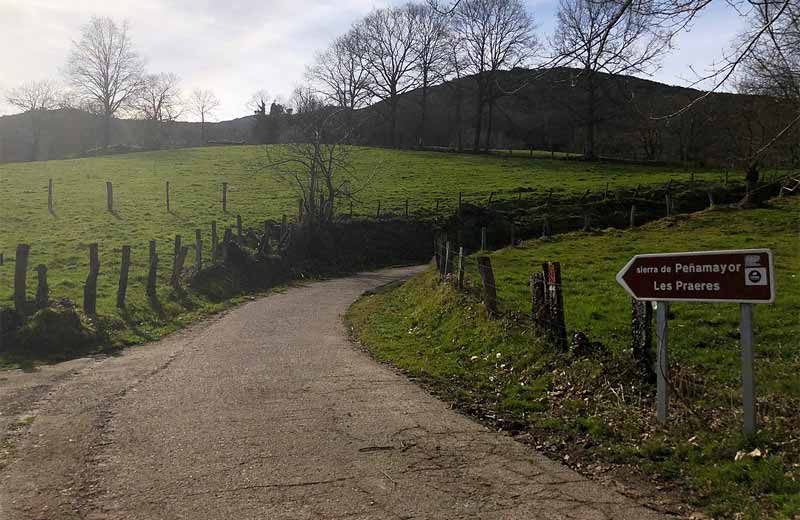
{"x":489,"y":126}
{"x":393,"y":105}
{"x":459,"y":122}
{"x":423,"y":115}
{"x":476,"y":145}
{"x":36,"y":131}
{"x":591,"y":116}
{"x":751,"y":179}
{"x":106,"y":130}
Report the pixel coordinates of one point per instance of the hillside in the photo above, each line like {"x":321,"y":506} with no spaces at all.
{"x":66,"y":133}
{"x":546,"y":111}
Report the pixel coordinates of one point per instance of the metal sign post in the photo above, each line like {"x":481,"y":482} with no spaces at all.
{"x":740,"y":276}
{"x":748,"y":378}
{"x":662,"y":362}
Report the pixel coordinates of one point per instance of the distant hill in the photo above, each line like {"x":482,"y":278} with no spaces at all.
{"x":71,"y":133}
{"x":542,"y":110}
{"x":545,"y":110}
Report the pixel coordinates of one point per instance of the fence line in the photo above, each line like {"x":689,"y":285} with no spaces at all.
{"x":283,"y":233}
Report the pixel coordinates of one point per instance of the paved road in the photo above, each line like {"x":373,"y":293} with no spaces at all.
{"x":267,"y":412}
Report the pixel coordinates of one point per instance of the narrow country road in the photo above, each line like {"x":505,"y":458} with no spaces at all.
{"x":266,"y":412}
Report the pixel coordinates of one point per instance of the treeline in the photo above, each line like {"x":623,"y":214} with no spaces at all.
{"x":475,"y":75}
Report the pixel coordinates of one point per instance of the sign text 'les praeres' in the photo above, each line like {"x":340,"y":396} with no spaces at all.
{"x":742,"y":276}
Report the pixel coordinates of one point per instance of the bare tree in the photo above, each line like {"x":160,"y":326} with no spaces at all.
{"x":159,"y":102}
{"x":34,"y":98}
{"x":340,"y":73}
{"x":159,"y":98}
{"x":772,"y":68}
{"x":494,"y":35}
{"x":632,"y":46}
{"x":259,"y":101}
{"x":104,"y":69}
{"x":673,"y":16}
{"x":455,"y":72}
{"x":316,"y":160}
{"x":203,"y":103}
{"x":391,"y":56}
{"x":34,"y":95}
{"x":432,"y":51}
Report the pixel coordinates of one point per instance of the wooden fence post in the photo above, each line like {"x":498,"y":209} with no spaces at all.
{"x":175,"y":255}
{"x":123,"y":276}
{"x":214,"y":242}
{"x":239,"y":237}
{"x":263,"y":246}
{"x":110,"y":196}
{"x":42,"y":290}
{"x":632,"y":223}
{"x":152,"y":271}
{"x":180,"y":258}
{"x":446,"y":269}
{"x":90,"y":289}
{"x":198,"y":250}
{"x":489,"y":289}
{"x":50,"y":196}
{"x":555,"y":299}
{"x":545,"y":226}
{"x":21,"y":277}
{"x":460,"y":280}
{"x":168,"y":208}
{"x":668,"y":201}
{"x":437,"y":254}
{"x":642,"y":338}
{"x":710,"y":199}
{"x":537,"y":302}
{"x":224,"y":197}
{"x":483,"y":238}
{"x":587,"y":222}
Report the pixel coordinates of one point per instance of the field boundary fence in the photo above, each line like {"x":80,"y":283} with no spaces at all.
{"x":469,"y":213}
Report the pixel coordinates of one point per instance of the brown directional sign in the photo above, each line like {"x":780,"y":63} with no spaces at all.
{"x":743,"y":276}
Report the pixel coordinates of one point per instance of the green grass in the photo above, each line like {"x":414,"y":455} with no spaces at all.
{"x":595,"y":408}
{"x":704,"y":335}
{"x":60,"y":241}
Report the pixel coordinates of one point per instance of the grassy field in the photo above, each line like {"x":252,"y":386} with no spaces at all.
{"x":60,"y":241}
{"x":594,"y":408}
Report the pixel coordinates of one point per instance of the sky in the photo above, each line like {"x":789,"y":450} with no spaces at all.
{"x":238,"y":47}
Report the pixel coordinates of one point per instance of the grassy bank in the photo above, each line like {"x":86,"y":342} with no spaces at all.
{"x":594,"y":410}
